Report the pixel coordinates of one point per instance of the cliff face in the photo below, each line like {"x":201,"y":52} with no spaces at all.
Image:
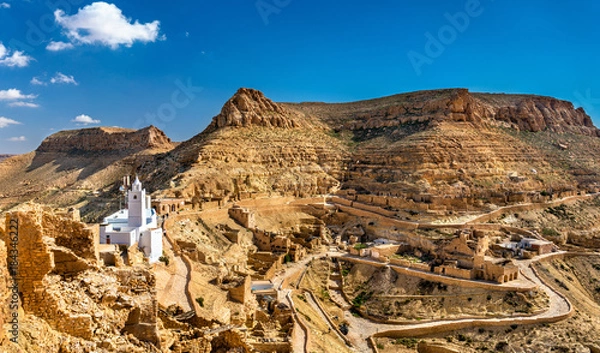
{"x":520,"y":112}
{"x":535,"y":113}
{"x":103,"y":139}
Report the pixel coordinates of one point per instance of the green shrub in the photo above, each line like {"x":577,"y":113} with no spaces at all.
{"x":549,"y":232}
{"x":407,"y":342}
{"x":361,"y":299}
{"x":164,"y":259}
{"x":360,"y":246}
{"x":200,"y":301}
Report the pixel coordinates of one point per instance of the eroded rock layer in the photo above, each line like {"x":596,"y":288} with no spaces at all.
{"x":415,"y":146}
{"x":103,"y":139}
{"x":445,"y":143}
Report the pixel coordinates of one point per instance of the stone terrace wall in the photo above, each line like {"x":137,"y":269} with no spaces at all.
{"x":430,"y":276}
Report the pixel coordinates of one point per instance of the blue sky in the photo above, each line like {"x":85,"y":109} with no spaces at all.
{"x":66,"y":64}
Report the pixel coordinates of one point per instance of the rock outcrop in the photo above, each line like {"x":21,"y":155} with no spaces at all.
{"x":249,"y":107}
{"x":105,"y":139}
{"x":521,"y":112}
{"x":536,"y":113}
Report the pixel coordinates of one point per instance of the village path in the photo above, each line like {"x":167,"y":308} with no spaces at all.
{"x":294,"y":269}
{"x":175,"y":279}
{"x":299,"y":337}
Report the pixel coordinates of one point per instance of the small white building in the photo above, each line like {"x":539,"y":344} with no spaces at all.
{"x":136,"y":224}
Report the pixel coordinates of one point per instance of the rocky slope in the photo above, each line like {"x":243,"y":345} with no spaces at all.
{"x":69,"y":165}
{"x":253,"y":145}
{"x":456,"y":143}
{"x":445,"y":144}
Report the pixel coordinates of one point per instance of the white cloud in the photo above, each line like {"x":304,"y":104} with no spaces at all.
{"x":62,"y":78}
{"x":85,"y":120}
{"x":104,"y":24}
{"x":58,"y":46}
{"x":23,"y":105}
{"x":4,"y":5}
{"x":36,"y":81}
{"x":18,"y":139}
{"x":14,"y":94}
{"x":4,"y":122}
{"x":13,"y":58}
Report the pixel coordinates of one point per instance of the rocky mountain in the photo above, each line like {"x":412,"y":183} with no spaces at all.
{"x":73,"y":167}
{"x":253,"y":145}
{"x":451,"y":143}
{"x":106,"y":139}
{"x":456,"y":143}
{"x":443,"y":143}
{"x":520,"y":112}
{"x":250,"y":107}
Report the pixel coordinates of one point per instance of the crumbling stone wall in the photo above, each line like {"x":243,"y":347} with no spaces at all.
{"x":71,"y":234}
{"x":142,"y":320}
{"x":266,"y":264}
{"x":243,"y":292}
{"x":36,"y":261}
{"x":243,"y":216}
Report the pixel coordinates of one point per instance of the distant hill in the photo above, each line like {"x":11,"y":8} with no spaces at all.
{"x":71,"y":166}
{"x":5,"y":156}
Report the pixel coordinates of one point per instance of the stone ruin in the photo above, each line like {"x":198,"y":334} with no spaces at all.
{"x":60,"y":281}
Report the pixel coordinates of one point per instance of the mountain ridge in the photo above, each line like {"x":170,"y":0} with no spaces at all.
{"x":444,"y":143}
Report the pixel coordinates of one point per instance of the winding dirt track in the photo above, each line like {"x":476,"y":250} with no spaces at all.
{"x":361,"y":329}
{"x":174,"y":290}
{"x":559,"y":306}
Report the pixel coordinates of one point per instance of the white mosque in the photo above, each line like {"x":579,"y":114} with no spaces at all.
{"x":136,"y":224}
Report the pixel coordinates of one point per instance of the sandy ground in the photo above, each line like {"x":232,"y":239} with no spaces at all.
{"x":171,"y":282}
